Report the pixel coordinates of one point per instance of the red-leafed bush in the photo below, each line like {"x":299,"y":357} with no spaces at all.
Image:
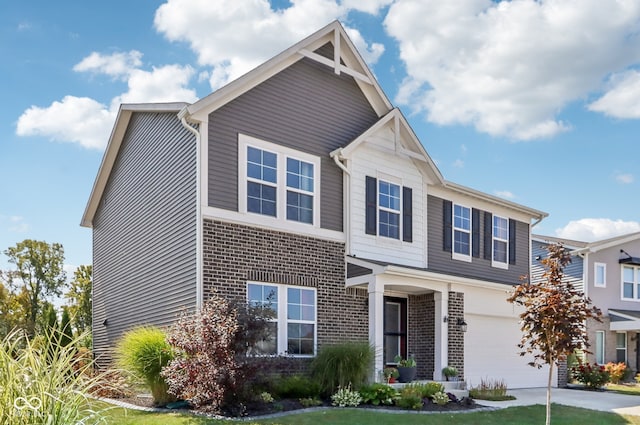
{"x":204,"y":364}
{"x":593,"y":376}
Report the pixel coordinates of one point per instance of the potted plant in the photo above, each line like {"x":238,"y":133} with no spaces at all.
{"x":450,"y":373}
{"x":406,"y":369}
{"x":390,"y":374}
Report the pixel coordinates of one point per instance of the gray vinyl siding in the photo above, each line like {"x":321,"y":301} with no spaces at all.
{"x":440,"y":260}
{"x":572,"y":272}
{"x":305,"y":107}
{"x":144,"y":232}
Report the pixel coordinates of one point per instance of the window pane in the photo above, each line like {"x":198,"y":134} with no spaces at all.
{"x":300,"y":338}
{"x":261,"y":199}
{"x":299,"y":207}
{"x":392,"y":317}
{"x":628,"y":274}
{"x":627,"y":290}
{"x":621,"y":340}
{"x":269,"y":345}
{"x":500,"y":251}
{"x":461,"y":242}
{"x":299,"y":175}
{"x":461,"y":217}
{"x":389,"y":195}
{"x":599,"y":347}
{"x":391,"y":348}
{"x":263,"y":295}
{"x":500,"y":228}
{"x":261,"y":164}
{"x":600,"y":275}
{"x":389,"y":224}
{"x":270,"y":159}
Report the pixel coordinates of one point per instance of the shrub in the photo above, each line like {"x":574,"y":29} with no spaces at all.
{"x":44,"y":385}
{"x":494,"y":390}
{"x":310,"y":402}
{"x":204,"y":364}
{"x":593,"y":376}
{"x":377,"y":394}
{"x":344,"y":364}
{"x":430,"y":388}
{"x":112,"y":384}
{"x":296,"y":386}
{"x":410,"y":397}
{"x":616,"y":371}
{"x":440,"y":398}
{"x":143,"y":352}
{"x":346,"y":397}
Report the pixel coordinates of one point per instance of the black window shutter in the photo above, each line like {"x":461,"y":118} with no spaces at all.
{"x":446,"y":225}
{"x":488,"y":235}
{"x":475,"y":232}
{"x":512,"y":241}
{"x":372,"y":206}
{"x":407,"y":214}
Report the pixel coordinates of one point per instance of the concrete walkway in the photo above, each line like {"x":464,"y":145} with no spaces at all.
{"x":605,"y":401}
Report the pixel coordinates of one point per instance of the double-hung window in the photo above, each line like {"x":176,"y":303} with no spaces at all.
{"x":461,"y":232}
{"x":621,"y":347}
{"x":278,"y":182}
{"x":500,"y":242}
{"x":389,"y":209}
{"x":292,"y":315}
{"x":631,"y":283}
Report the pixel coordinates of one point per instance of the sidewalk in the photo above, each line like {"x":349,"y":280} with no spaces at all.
{"x":595,"y":400}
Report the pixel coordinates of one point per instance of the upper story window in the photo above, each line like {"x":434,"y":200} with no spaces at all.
{"x":389,"y":209}
{"x":600,"y":275}
{"x":278,"y":182}
{"x":461,"y":232}
{"x":631,"y":283}
{"x":293,"y":320}
{"x":500,"y":242}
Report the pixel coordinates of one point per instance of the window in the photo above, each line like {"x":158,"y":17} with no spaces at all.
{"x":630,"y":283}
{"x":500,"y":242}
{"x":278,"y":182}
{"x":621,"y":347}
{"x":389,"y":209}
{"x":461,"y":232}
{"x":599,"y":349}
{"x":294,"y":321}
{"x":600,"y":275}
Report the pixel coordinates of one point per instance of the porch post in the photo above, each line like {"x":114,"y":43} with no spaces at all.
{"x":441,"y":350}
{"x":376,"y":322}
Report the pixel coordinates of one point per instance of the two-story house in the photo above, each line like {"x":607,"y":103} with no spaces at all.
{"x":608,"y":272}
{"x":299,"y":183}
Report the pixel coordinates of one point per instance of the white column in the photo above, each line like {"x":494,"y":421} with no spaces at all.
{"x":376,"y":322}
{"x":441,"y":351}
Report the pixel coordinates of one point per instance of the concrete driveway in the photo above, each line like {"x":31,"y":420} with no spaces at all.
{"x":595,"y":400}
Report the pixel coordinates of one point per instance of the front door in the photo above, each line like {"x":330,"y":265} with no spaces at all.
{"x":395,"y":329}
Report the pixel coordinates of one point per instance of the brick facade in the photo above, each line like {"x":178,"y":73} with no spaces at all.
{"x":421,"y":312}
{"x":235,"y":254}
{"x":456,"y":336}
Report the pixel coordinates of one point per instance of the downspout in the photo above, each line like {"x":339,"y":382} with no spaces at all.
{"x":338,"y":158}
{"x":182,"y":115}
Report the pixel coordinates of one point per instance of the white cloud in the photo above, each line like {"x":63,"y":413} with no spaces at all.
{"x":234,"y":37}
{"x":622,"y":100}
{"x":17,"y":224}
{"x":458,"y":163}
{"x":624,"y":178}
{"x":88,"y":122}
{"x":117,"y":65}
{"x":74,"y":119}
{"x":508,"y":68}
{"x":504,"y":194}
{"x":594,"y":229}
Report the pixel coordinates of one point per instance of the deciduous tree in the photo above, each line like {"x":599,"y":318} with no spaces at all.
{"x":554,"y":317}
{"x":80,"y":296}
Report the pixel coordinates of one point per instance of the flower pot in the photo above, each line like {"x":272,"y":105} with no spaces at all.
{"x":407,"y":374}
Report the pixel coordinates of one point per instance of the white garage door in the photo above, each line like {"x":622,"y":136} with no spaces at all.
{"x":491,"y":352}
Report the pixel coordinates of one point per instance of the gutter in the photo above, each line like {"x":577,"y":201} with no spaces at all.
{"x":338,"y":157}
{"x":182,"y":116}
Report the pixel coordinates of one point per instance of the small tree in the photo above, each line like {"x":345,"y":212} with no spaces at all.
{"x":553,"y":323}
{"x":80,"y":296}
{"x":204,"y":363}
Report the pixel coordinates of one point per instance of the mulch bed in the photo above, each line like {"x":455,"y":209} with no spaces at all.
{"x":288,"y":405}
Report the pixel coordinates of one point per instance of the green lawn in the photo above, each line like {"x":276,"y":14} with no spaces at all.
{"x":631,"y":389}
{"x":534,"y":415}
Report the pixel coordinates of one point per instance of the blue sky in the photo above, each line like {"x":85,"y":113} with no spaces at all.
{"x":536,"y":102}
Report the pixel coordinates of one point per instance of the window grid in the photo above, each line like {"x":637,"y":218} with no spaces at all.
{"x":262,"y":181}
{"x":462,"y":231}
{"x":300,"y":184}
{"x":389,"y":209}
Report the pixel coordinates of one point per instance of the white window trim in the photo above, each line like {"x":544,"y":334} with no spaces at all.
{"x":636,"y":282}
{"x":456,"y":255}
{"x":396,"y":182}
{"x":282,"y":320}
{"x":604,"y":275}
{"x":596,"y":354}
{"x":494,"y":262}
{"x":625,"y":346}
{"x":282,"y":153}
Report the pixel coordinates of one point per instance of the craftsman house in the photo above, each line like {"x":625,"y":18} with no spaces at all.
{"x":302,"y":183}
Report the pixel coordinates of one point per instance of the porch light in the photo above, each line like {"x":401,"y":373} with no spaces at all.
{"x":462,"y":325}
{"x":445,"y":319}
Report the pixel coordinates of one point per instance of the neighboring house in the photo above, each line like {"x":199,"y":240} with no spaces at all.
{"x":301,"y":182}
{"x":608,"y":271}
